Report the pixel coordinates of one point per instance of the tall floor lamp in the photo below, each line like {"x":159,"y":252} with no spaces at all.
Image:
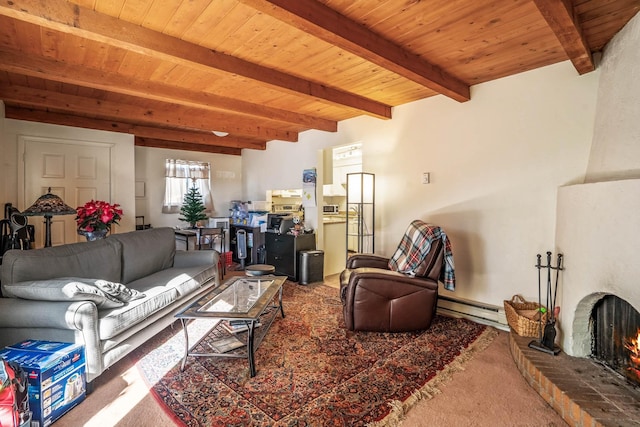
{"x":48,"y":205}
{"x":360,"y":212}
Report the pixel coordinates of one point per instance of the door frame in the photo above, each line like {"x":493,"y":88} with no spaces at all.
{"x":23,"y":142}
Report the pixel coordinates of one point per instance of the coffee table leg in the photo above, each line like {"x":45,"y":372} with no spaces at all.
{"x":186,"y":343}
{"x":252,"y":363}
{"x":280,"y":302}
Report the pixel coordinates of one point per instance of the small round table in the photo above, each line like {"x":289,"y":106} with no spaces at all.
{"x":259,"y":269}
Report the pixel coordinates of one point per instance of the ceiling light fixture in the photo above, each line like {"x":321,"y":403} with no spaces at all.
{"x":220,"y":133}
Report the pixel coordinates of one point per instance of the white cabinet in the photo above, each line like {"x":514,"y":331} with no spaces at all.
{"x":335,"y":253}
{"x":333,"y":190}
{"x":291,"y":193}
{"x":340,"y":172}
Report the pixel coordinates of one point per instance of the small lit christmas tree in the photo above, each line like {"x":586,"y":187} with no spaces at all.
{"x":193,"y":208}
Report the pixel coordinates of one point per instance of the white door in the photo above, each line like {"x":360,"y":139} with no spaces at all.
{"x":76,"y":171}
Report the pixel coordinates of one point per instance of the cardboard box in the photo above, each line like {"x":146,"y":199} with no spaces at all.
{"x":57,"y":379}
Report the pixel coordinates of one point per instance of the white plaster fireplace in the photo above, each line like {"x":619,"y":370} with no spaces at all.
{"x":598,"y":231}
{"x":598,"y":222}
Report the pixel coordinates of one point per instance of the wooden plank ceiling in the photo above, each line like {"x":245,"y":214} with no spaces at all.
{"x":172,"y":71}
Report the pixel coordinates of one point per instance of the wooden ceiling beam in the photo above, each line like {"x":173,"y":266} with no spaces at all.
{"x":69,"y":18}
{"x":563,"y":20}
{"x":168,"y":115}
{"x":325,"y":23}
{"x":178,"y":136}
{"x":173,"y":145}
{"x":197,"y":138}
{"x":16,"y":62}
{"x":18,"y":112}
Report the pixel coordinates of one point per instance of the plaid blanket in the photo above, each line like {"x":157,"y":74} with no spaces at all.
{"x":414,"y":247}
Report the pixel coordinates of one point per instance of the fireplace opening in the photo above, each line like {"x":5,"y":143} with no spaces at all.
{"x":616,"y":337}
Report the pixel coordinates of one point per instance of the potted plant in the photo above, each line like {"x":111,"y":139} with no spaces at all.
{"x":193,"y":208}
{"x":96,"y":217}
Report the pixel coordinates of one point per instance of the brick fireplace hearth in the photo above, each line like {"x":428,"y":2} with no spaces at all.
{"x":583,"y":392}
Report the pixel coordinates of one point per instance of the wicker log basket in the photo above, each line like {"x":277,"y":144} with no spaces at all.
{"x":524,"y":316}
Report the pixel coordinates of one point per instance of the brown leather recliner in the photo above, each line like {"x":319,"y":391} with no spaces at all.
{"x":375,"y":298}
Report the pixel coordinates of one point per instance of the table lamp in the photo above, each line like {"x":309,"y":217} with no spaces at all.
{"x":48,"y":205}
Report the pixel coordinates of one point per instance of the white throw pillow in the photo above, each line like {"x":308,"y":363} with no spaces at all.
{"x":63,"y":289}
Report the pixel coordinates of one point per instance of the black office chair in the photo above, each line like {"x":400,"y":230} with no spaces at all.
{"x":15,"y":231}
{"x":5,"y":237}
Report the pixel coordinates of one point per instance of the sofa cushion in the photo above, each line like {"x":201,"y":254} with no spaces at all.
{"x":145,"y":252}
{"x":115,"y":321}
{"x":100,"y":259}
{"x":161,"y":289}
{"x":63,"y":289}
{"x":184,"y":279}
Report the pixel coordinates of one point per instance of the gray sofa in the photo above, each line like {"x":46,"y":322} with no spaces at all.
{"x":110,"y":295}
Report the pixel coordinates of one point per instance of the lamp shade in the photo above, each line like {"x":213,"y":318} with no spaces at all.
{"x":360,"y":187}
{"x":47,"y":205}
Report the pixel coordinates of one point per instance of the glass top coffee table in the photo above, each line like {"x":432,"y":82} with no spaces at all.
{"x":245,"y":308}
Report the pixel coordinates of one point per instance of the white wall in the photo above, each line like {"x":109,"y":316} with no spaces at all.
{"x":226,"y":182}
{"x":123,"y":155}
{"x":495,"y":162}
{"x":616,"y":142}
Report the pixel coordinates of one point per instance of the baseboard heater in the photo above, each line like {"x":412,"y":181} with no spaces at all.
{"x":478,"y":312}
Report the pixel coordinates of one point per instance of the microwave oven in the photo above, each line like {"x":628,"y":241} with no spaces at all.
{"x":330,"y":209}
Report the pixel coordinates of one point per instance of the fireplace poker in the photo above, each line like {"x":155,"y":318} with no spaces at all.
{"x":540,"y":308}
{"x":546,"y":342}
{"x":549,"y":335}
{"x":555,"y":292}
{"x":548,"y":303}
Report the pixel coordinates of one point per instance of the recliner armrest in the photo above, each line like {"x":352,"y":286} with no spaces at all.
{"x":394,"y":278}
{"x":367,"y":260}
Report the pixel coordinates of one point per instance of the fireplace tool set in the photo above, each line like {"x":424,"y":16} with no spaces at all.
{"x":547,"y":334}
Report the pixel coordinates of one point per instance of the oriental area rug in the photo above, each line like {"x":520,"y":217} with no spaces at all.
{"x":311,"y":371}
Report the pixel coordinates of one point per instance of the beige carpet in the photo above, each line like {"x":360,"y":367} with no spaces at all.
{"x":489,"y":391}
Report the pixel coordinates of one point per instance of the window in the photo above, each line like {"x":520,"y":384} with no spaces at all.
{"x":181,"y":175}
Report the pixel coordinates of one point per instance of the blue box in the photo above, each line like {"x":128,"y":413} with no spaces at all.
{"x":57,"y":378}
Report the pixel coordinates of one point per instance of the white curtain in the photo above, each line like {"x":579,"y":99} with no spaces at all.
{"x":180,"y":175}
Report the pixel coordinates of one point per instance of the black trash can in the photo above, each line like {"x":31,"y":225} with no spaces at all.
{"x":311,"y":266}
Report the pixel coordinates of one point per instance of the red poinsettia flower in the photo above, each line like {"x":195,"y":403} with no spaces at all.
{"x":97,"y":215}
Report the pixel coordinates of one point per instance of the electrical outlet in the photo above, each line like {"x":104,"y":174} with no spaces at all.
{"x":425,"y":177}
